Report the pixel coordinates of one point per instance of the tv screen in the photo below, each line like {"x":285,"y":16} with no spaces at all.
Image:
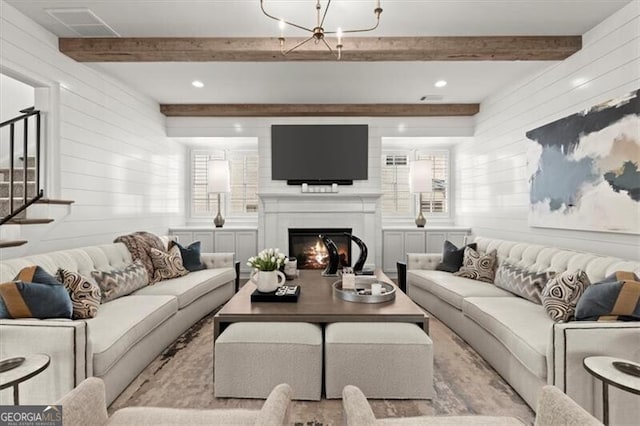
{"x":319,"y":153}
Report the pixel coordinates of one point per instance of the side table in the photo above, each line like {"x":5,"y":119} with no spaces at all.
{"x":601,"y":367}
{"x":33,"y":365}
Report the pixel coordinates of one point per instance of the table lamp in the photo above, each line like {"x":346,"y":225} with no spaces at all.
{"x":420,"y":180}
{"x":218,"y":181}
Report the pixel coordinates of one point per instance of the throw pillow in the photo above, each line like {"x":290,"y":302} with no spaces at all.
{"x":452,"y":257}
{"x":120,"y":282}
{"x":478,"y":266}
{"x":167,"y":265}
{"x":561,"y":294}
{"x":139,"y":245}
{"x":190,"y":256}
{"x":85,"y":294}
{"x":617,"y":297}
{"x":34,"y":294}
{"x":522,"y":282}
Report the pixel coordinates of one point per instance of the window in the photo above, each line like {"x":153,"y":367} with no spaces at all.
{"x":243,"y":171}
{"x":397,"y":200}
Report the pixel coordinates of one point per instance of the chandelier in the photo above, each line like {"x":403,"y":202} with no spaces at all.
{"x":318,"y":33}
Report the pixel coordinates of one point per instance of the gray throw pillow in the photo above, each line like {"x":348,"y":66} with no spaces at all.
{"x":522,"y":282}
{"x":120,"y":282}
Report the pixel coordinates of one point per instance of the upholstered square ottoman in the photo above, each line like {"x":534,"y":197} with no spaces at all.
{"x":251,"y":358}
{"x":384,"y":359}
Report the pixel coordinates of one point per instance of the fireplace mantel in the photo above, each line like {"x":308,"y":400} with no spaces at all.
{"x":358,"y":211}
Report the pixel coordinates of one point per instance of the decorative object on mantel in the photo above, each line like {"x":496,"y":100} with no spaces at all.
{"x":359,"y":265}
{"x":334,"y":259}
{"x":420,"y":180}
{"x":584,"y":169}
{"x":266,"y":275}
{"x":318,"y":33}
{"x":218,"y":182}
{"x":333,"y":188}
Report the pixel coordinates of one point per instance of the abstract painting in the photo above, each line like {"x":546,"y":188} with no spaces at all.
{"x":584,"y":169}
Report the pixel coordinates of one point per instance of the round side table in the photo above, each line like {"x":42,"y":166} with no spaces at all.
{"x":32,"y":366}
{"x":602,"y":368}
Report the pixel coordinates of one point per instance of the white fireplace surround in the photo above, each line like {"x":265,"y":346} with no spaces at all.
{"x":360,"y":212}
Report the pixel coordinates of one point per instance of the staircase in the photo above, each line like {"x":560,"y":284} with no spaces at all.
{"x":22,"y":201}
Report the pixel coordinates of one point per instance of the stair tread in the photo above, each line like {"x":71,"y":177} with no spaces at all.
{"x":54,"y":201}
{"x":12,"y":243}
{"x":29,"y":221}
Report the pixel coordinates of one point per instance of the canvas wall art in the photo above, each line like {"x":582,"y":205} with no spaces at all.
{"x":585,"y":169}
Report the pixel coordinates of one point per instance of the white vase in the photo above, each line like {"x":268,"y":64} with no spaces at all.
{"x":268,"y":281}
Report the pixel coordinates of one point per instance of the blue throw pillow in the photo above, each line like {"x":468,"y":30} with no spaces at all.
{"x":190,"y":256}
{"x":617,"y":297}
{"x":452,"y":257}
{"x":34,"y":294}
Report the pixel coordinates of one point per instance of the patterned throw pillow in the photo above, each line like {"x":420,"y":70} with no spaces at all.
{"x":616,"y":298}
{"x":561,"y":294}
{"x":478,"y":266}
{"x":34,"y":294}
{"x":167,"y":265}
{"x":522,"y":282}
{"x":452,"y":257}
{"x":85,"y":294}
{"x":190,"y":256}
{"x":120,"y":282}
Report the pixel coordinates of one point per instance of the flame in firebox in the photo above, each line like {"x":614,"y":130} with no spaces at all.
{"x":320,"y":252}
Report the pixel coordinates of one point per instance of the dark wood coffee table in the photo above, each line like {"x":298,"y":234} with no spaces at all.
{"x":317,"y":304}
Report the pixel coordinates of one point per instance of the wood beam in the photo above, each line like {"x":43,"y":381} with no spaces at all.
{"x":485,"y":48}
{"x":318,"y":110}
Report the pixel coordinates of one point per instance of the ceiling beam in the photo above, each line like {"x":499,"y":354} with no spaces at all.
{"x":484,"y":48}
{"x":319,"y":110}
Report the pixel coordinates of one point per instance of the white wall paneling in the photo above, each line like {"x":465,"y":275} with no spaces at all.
{"x":491,"y":171}
{"x":107,"y":141}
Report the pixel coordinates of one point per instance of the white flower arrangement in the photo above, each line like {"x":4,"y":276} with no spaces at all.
{"x":267,"y":260}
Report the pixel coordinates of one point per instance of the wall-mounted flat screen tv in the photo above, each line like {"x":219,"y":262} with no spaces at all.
{"x":319,"y":154}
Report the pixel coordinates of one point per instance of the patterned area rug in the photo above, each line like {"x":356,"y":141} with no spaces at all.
{"x":465,"y":384}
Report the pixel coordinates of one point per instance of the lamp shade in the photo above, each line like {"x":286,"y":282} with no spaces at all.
{"x":218,"y":179}
{"x":420,"y":176}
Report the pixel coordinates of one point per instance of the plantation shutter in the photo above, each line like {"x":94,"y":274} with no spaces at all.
{"x":436,"y":200}
{"x":396,"y":198}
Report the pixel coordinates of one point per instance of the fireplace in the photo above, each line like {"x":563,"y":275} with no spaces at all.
{"x":306,"y":246}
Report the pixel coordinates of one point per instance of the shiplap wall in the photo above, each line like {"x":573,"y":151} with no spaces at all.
{"x":112,"y":155}
{"x":491,"y":171}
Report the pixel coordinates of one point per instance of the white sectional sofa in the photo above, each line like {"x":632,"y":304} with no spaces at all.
{"x":125,"y":336}
{"x":518,"y":338}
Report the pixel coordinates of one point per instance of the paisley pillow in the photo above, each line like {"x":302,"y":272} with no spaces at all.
{"x":478,"y":266}
{"x":561,"y":294}
{"x":85,"y":293}
{"x":167,"y":265}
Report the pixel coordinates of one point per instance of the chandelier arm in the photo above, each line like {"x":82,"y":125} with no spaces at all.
{"x":330,"y":49}
{"x":325,"y":13}
{"x":283,"y":20}
{"x":355,"y":31}
{"x":298,"y":45}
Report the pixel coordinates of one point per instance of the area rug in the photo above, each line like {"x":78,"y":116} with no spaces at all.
{"x":465,"y":384}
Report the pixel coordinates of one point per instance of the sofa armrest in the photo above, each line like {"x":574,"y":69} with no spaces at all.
{"x":424,"y":261}
{"x":218,"y":260}
{"x":65,"y":342}
{"x":85,"y":405}
{"x":573,"y":341}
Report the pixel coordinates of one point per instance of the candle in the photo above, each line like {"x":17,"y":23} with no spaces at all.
{"x":339,"y":34}
{"x":281,"y":24}
{"x":376,"y":288}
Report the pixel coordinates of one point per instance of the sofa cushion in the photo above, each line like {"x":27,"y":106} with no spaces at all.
{"x":523,"y":327}
{"x":522,"y":282}
{"x":452,"y":289}
{"x":123,"y":322}
{"x":167,"y":264}
{"x":85,"y":293}
{"x":192,"y":286}
{"x":120,"y":282}
{"x":481,"y":267}
{"x":452,"y":257}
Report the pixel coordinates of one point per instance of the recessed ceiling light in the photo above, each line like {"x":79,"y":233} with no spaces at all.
{"x":440,"y":83}
{"x":197,"y":83}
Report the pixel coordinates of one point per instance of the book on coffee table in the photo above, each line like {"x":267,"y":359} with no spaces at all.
{"x":284,"y":294}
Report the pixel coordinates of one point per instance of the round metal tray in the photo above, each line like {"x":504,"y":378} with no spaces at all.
{"x":355,"y":296}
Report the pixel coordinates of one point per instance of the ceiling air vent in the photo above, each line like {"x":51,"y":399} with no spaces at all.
{"x":431,"y":98}
{"x":83,"y":22}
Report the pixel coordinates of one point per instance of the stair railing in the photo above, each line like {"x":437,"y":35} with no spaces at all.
{"x":26,"y":200}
